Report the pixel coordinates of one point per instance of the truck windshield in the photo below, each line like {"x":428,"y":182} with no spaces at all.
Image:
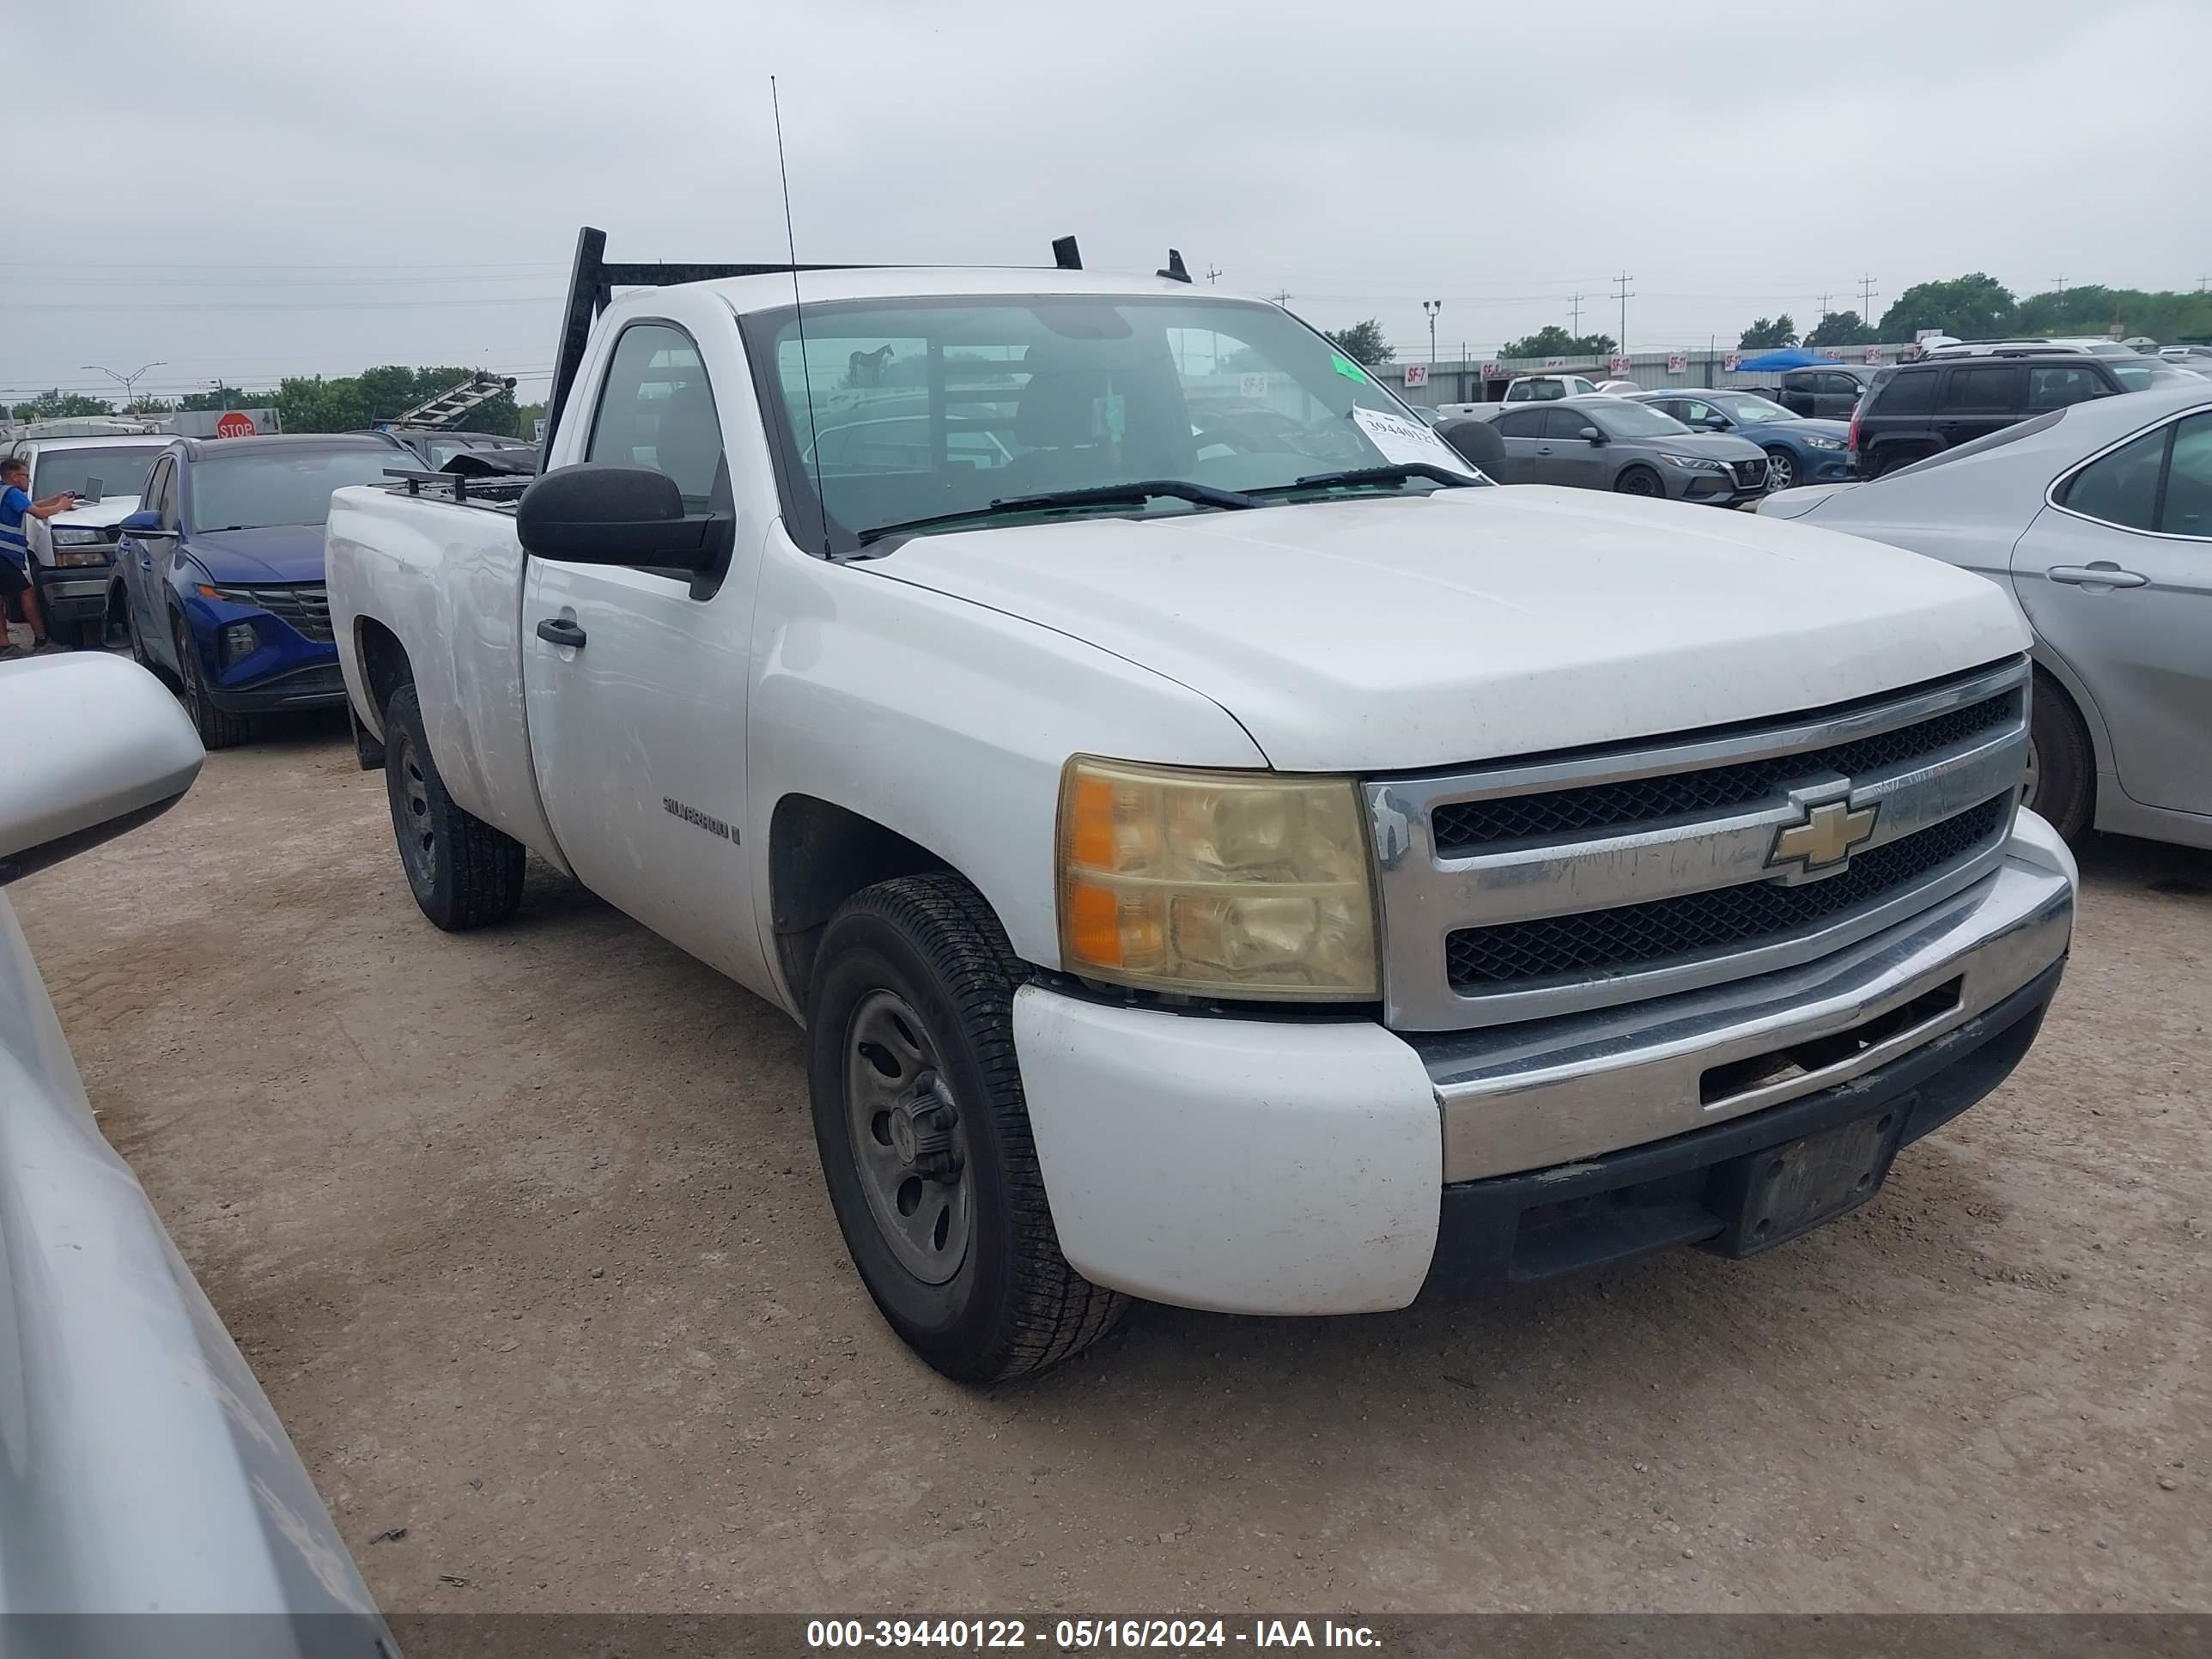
{"x":909,"y":410}
{"x":250,"y":490}
{"x":116,"y":470}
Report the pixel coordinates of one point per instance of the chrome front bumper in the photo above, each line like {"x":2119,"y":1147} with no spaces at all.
{"x":1547,"y":1092}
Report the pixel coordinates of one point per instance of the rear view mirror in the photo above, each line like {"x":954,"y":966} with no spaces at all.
{"x":125,"y":754}
{"x":606,"y":512}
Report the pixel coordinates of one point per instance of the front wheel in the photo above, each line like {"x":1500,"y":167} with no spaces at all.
{"x":1780,"y":470}
{"x":218,"y":728}
{"x":463,"y":872}
{"x":1639,"y":481}
{"x":925,"y":1138}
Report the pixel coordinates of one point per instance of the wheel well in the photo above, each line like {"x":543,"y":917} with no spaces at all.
{"x":383,"y":664}
{"x":2048,"y":684}
{"x":819,"y":855}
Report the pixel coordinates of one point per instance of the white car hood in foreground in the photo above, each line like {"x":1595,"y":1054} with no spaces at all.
{"x":97,"y":515}
{"x":1424,"y":631}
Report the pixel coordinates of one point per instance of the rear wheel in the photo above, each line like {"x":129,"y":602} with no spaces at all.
{"x":218,"y":728}
{"x":1639,"y":481}
{"x":925,"y":1138}
{"x":1781,"y":469}
{"x":463,"y":872}
{"x":2062,"y":769}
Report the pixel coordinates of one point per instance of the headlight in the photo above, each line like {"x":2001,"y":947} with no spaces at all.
{"x":1233,"y":883}
{"x":70,"y":535}
{"x":79,"y":555}
{"x":1693,"y":464}
{"x":1824,"y":443}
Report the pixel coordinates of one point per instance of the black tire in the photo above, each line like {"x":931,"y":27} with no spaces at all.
{"x":218,"y":728}
{"x":2062,"y":784}
{"x":463,"y":872}
{"x":1010,"y":1304}
{"x":1781,"y":469}
{"x":1639,"y":481}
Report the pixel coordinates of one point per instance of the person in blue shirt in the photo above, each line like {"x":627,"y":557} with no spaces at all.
{"x":19,"y":591}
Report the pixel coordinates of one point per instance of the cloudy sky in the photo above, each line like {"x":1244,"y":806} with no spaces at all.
{"x":245,"y":190}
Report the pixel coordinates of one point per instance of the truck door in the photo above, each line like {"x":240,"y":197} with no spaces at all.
{"x":2117,"y":580}
{"x":635,"y":681}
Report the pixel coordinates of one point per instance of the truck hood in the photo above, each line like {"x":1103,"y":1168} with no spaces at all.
{"x":107,"y":510}
{"x":274,"y":553}
{"x":1474,"y":624}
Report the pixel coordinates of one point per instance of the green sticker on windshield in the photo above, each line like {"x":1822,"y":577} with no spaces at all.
{"x":1345,"y":367}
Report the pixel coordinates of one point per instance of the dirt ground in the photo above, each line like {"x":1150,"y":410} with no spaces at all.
{"x":524,"y":1233}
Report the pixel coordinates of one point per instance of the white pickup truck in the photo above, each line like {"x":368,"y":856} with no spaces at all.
{"x":1221,"y":851}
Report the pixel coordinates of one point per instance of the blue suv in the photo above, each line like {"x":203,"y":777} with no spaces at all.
{"x":219,"y":575}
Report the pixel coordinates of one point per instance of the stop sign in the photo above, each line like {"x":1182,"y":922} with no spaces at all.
{"x":235,"y":425}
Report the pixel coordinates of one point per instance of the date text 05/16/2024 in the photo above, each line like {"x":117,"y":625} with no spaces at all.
{"x":1082,"y":1634}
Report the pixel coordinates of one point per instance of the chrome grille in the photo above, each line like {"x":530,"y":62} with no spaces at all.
{"x":306,"y":606}
{"x":1640,"y":936}
{"x":1462,"y":826}
{"x":1596,"y":877}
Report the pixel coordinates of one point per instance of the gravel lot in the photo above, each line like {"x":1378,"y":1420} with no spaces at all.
{"x":524,"y":1233}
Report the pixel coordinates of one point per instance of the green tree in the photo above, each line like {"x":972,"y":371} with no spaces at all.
{"x":58,"y":405}
{"x":1839,"y":328}
{"x":1362,"y":342}
{"x":1552,"y":341}
{"x":228,"y":397}
{"x":1766,"y":334}
{"x":1972,"y":306}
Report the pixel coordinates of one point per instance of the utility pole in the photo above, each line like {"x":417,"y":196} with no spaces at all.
{"x":1432,"y":307}
{"x":2059,"y":283}
{"x":1281,"y":296}
{"x":1575,"y":328}
{"x":1623,"y":294}
{"x":1214,"y":273}
{"x":1866,"y":301}
{"x":1823,"y":302}
{"x":128,"y":382}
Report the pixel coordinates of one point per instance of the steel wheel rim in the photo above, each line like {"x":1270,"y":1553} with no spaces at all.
{"x":419,"y":840}
{"x":1781,"y":473}
{"x":893,"y":1070}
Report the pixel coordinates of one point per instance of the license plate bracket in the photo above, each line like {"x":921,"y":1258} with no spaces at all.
{"x":1784,"y":1191}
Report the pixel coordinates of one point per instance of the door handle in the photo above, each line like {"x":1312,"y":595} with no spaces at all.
{"x":559,"y":631}
{"x":2102,"y":574}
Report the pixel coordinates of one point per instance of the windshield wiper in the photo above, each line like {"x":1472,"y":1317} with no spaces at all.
{"x":1396,"y":473}
{"x":1180,"y":490}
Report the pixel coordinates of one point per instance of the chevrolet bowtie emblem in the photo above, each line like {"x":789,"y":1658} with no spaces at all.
{"x":1826,"y":836}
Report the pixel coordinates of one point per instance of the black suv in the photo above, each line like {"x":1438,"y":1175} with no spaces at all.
{"x":1916,"y":410}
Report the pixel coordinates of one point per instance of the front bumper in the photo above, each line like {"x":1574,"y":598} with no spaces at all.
{"x":1306,"y":1167}
{"x":73,"y":594}
{"x":317,"y":686}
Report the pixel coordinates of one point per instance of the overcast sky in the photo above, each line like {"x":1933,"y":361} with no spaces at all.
{"x":249,"y":190}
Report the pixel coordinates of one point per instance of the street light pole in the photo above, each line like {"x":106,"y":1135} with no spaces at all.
{"x":1432,"y":307}
{"x":128,"y":382}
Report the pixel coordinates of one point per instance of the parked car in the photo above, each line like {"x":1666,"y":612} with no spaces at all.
{"x":2088,"y":345}
{"x":2097,"y":517}
{"x":1618,"y":389}
{"x":435,"y":446}
{"x":1611,"y":443}
{"x":1547,"y":388}
{"x":1827,"y":392}
{"x":148,"y":1474}
{"x":1798,"y":450}
{"x":73,"y":553}
{"x":1050,"y":796}
{"x":219,"y":574}
{"x":1915,"y":410}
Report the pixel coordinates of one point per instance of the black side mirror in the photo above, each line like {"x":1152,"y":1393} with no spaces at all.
{"x":143,"y":524}
{"x":1715,"y":422}
{"x":606,"y":512}
{"x":1591,"y":435}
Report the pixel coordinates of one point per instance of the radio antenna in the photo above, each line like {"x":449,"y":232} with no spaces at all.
{"x":798,"y":315}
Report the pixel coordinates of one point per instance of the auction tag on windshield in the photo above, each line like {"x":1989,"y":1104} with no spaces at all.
{"x":1403,"y":439}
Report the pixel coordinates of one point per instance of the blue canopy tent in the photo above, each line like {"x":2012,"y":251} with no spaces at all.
{"x":1788,"y":357}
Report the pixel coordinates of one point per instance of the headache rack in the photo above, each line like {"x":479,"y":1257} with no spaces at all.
{"x":593,"y":279}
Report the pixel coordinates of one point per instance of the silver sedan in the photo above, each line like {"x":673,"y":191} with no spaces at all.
{"x":2097,"y":517}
